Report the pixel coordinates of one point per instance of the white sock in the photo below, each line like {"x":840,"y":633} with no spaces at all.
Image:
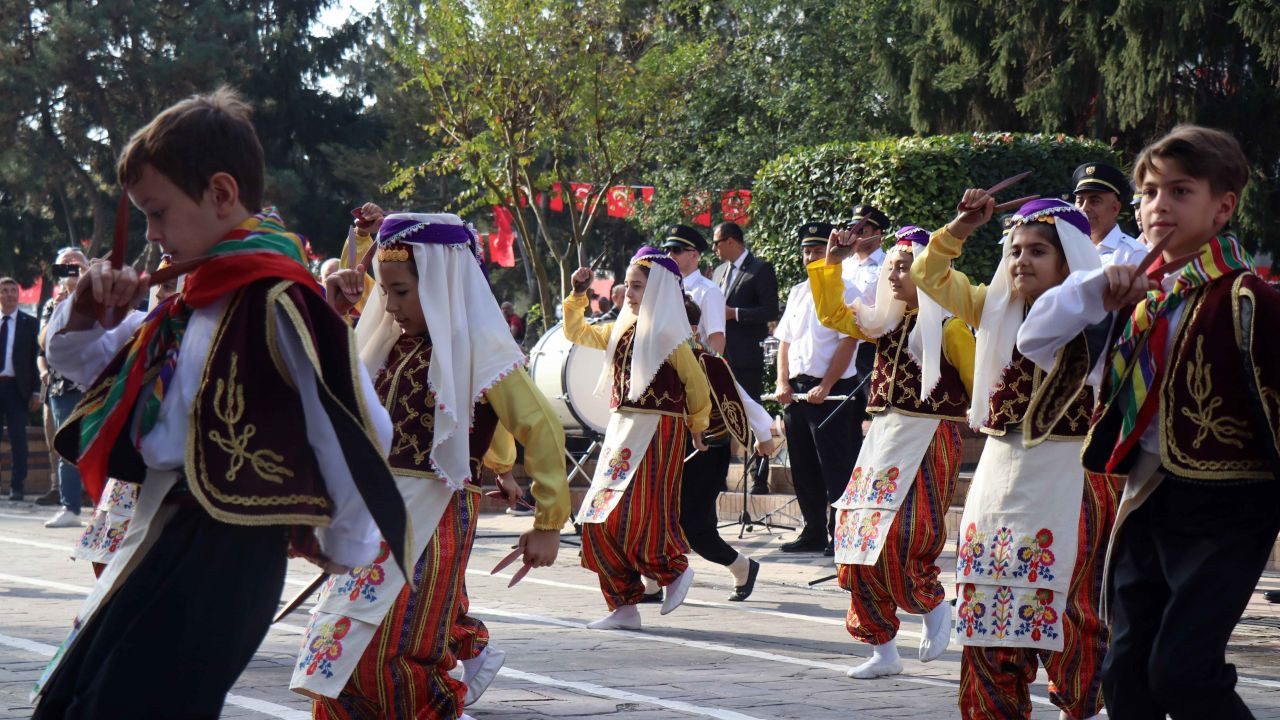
{"x":650,"y":585}
{"x":884,"y":661}
{"x":626,"y":617}
{"x":469,"y":667}
{"x":741,"y":568}
{"x":936,"y":633}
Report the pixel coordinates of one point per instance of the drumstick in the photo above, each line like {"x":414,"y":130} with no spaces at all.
{"x":1002,"y":185}
{"x":1015,"y":204}
{"x":351,"y":247}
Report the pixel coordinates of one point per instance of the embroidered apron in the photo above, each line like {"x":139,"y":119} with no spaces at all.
{"x":625,"y":442}
{"x":352,"y":607}
{"x":1019,"y":538}
{"x":885,"y":472}
{"x":110,"y":521}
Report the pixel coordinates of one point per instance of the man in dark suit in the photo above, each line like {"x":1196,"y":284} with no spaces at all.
{"x":19,"y":379}
{"x":750,"y":290}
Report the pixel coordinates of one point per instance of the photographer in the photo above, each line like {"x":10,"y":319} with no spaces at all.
{"x":61,"y":395}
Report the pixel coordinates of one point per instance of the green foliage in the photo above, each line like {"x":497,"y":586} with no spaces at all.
{"x":916,"y":181}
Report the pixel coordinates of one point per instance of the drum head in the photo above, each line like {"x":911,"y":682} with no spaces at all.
{"x":567,"y":374}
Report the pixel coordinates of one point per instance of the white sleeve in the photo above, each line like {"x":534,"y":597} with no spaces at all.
{"x":712,"y":311}
{"x":784,"y":330}
{"x":351,"y":538}
{"x":1060,"y":314}
{"x":81,"y":356}
{"x":757,"y":417}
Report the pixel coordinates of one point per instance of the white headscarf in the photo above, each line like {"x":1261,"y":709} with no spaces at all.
{"x":1003,"y":312}
{"x":472,"y":347}
{"x":661,"y":326}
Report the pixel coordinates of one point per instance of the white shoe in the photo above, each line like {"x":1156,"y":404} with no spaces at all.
{"x":936,"y":634}
{"x":479,"y":671}
{"x":884,"y":662}
{"x":64,"y":519}
{"x":626,"y":617}
{"x":676,"y":591}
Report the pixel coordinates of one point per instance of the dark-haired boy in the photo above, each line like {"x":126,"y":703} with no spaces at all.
{"x":200,"y":402}
{"x":1189,"y":410}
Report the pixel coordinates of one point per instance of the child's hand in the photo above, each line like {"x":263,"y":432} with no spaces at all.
{"x":839,"y":246}
{"x":344,"y":288}
{"x":102,"y":287}
{"x":1126,"y":285}
{"x":581,"y":280}
{"x":368,"y":218}
{"x":540,"y":547}
{"x":698,"y":443}
{"x":765,"y":447}
{"x":511,"y":491}
{"x":974,"y":211}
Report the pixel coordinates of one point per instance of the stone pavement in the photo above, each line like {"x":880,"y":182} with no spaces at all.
{"x":780,"y":655}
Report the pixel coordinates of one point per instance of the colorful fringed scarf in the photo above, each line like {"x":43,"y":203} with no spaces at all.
{"x":261,"y":247}
{"x":1143,"y":362}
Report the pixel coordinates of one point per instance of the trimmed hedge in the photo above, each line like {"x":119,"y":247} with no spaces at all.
{"x":915,"y":180}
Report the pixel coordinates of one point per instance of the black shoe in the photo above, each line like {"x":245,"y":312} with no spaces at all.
{"x":803,"y":544}
{"x":1272,"y":596}
{"x":759,"y":489}
{"x":742,"y":592}
{"x":16,"y":496}
{"x":650,"y":598}
{"x":53,"y":497}
{"x":829,"y":550}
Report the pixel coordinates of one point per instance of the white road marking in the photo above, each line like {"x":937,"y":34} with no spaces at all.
{"x":624,"y":695}
{"x":63,"y":547}
{"x":49,"y":584}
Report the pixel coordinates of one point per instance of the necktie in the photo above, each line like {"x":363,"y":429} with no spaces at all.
{"x":4,"y":343}
{"x":728,"y":278}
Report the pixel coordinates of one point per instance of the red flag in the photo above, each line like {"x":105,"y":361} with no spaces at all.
{"x":557,"y":198}
{"x":621,"y":200}
{"x":31,"y":295}
{"x":502,"y":244}
{"x":581,"y":191}
{"x":646,"y":194}
{"x":735,"y":205}
{"x":698,"y":207}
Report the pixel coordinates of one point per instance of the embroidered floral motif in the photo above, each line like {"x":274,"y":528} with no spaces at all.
{"x":1036,"y":615}
{"x":1224,"y":428}
{"x":325,"y":646}
{"x":1002,"y":612}
{"x":619,"y":465}
{"x":868,"y":531}
{"x":1035,"y":559}
{"x":853,"y":490}
{"x":600,"y":505}
{"x":971,"y":551}
{"x":363,"y":581}
{"x":846,"y":532}
{"x":971,"y":611}
{"x":884,"y":486}
{"x":1001,"y":553}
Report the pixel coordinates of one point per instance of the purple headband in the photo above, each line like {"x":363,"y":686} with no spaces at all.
{"x":412,"y":228}
{"x":911,"y":234}
{"x":651,"y":256}
{"x":1050,"y":210}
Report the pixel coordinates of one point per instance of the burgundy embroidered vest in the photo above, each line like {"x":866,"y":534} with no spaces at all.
{"x":895,"y":380}
{"x":1024,"y":391}
{"x":402,"y":387}
{"x":665,"y":393}
{"x":728,"y":415}
{"x":1219,"y":416}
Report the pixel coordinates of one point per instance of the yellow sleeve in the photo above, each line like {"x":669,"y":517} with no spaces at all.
{"x":529,"y":417}
{"x":362,"y":246}
{"x":697,"y":389}
{"x":828,"y":299}
{"x":576,"y":327}
{"x":933,"y":275}
{"x":501,"y":455}
{"x":958,"y":346}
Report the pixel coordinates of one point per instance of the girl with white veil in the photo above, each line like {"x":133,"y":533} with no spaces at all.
{"x":1035,"y":524}
{"x":448,"y":372}
{"x":891,"y":523}
{"x":631,"y":515}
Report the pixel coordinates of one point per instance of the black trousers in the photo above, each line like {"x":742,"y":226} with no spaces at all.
{"x":13,"y":413}
{"x":1183,"y":569}
{"x":173,"y":639}
{"x":822,"y":460}
{"x":702,"y":483}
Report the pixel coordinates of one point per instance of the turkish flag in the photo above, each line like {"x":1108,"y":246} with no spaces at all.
{"x":581,"y":191}
{"x":621,"y":200}
{"x":646,"y":194}
{"x":735,"y":205}
{"x":698,"y":206}
{"x":501,"y":244}
{"x":557,"y":198}
{"x":31,"y":295}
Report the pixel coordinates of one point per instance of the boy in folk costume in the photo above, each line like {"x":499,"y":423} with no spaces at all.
{"x":891,"y":523}
{"x":448,"y":372}
{"x":1035,"y":524}
{"x":1189,"y":406}
{"x":200,"y":401}
{"x":631,"y":515}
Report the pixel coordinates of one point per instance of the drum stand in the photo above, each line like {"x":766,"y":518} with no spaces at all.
{"x":745,"y":522}
{"x":578,"y":461}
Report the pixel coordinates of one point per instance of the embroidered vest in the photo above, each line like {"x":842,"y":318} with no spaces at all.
{"x":728,"y":415}
{"x":1219,"y":416}
{"x":1025,"y":391}
{"x":402,"y":387}
{"x":895,"y":380}
{"x":665,"y":395}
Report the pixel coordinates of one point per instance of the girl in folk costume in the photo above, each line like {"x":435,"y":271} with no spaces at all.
{"x":891,"y":523}
{"x":448,"y":372}
{"x":1034,"y":525}
{"x":631,"y":515}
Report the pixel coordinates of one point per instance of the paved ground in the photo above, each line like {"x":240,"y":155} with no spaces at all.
{"x":781,"y":655}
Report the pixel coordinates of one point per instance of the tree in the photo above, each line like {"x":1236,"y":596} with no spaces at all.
{"x":525,"y":94}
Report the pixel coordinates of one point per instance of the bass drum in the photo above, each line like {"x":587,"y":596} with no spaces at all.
{"x":567,"y":375}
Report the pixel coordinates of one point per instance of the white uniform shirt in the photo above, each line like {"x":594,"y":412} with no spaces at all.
{"x":351,"y":538}
{"x":1117,"y":248}
{"x":863,"y":275}
{"x":709,"y":300}
{"x":811,"y":343}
